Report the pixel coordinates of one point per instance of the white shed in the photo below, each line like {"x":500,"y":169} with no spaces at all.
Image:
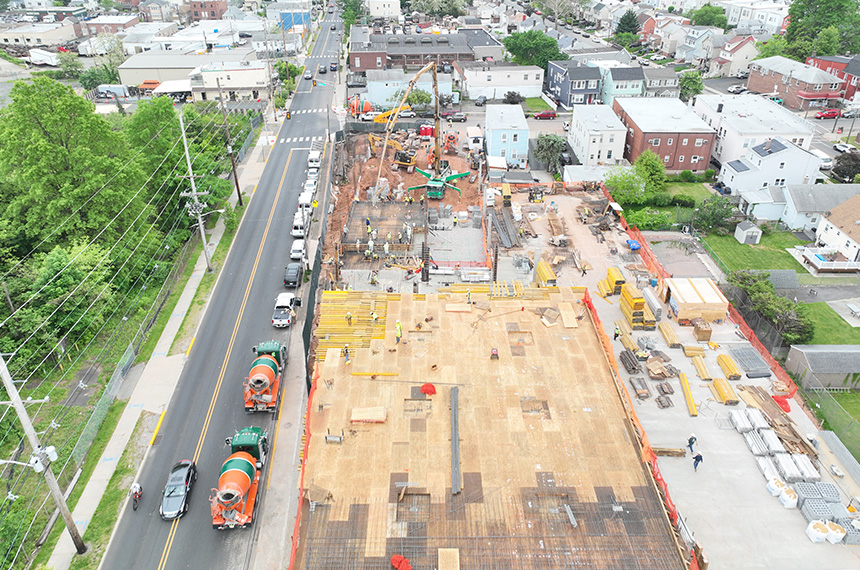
{"x":748,"y":233}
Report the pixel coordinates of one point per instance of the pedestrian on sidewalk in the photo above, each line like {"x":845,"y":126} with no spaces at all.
{"x":398,"y":332}
{"x":696,"y":460}
{"x":617,"y":333}
{"x":691,"y":441}
{"x":349,"y":318}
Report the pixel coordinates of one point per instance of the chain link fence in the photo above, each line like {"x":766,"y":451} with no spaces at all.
{"x":837,"y":419}
{"x":769,"y":336}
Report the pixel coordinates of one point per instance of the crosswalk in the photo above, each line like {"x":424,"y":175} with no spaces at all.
{"x":290,"y":140}
{"x":300,"y":111}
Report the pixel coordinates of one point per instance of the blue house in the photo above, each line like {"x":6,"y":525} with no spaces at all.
{"x":507,"y":134}
{"x":573,"y":83}
{"x":622,"y":82}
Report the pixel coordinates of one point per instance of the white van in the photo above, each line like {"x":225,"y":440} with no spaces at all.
{"x":300,"y":224}
{"x":826,"y":161}
{"x":475,"y":138}
{"x":306,"y":200}
{"x":314,"y":159}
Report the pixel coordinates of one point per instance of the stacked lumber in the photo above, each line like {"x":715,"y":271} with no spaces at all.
{"x":603,"y":288}
{"x":630,"y":362}
{"x":728,"y":366}
{"x":664,"y":402}
{"x":669,"y":451}
{"x":615,"y":280}
{"x":633,"y":306}
{"x":634,"y":321}
{"x":628,"y":343}
{"x":724,"y":392}
{"x":623,"y":326}
{"x":688,"y":395}
{"x":640,"y":387}
{"x":657,"y":370}
{"x":649,"y":322}
{"x":759,"y":400}
{"x":669,"y":335}
{"x":653,"y":304}
{"x":693,"y":350}
{"x":701,"y":369}
{"x":665,"y":388}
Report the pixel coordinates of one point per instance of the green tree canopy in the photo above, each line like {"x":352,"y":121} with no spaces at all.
{"x":714,"y":213}
{"x":791,"y":319}
{"x":652,"y":170}
{"x":548,"y":149}
{"x":828,"y":41}
{"x":70,"y":65}
{"x":625,"y":39}
{"x":691,"y":84}
{"x":808,"y":18}
{"x":627,"y":24}
{"x":533,"y":48}
{"x":847,"y":166}
{"x":418,"y":97}
{"x":710,"y":15}
{"x":626,"y":185}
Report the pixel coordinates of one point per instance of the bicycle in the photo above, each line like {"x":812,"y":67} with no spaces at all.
{"x":136,"y":497}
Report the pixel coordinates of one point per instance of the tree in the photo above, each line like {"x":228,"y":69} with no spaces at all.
{"x":773,"y":47}
{"x":93,"y":77}
{"x":807,"y":18}
{"x":790,"y":319}
{"x":70,"y":65}
{"x":710,"y":15}
{"x":652,"y":170}
{"x":418,"y":97}
{"x":847,"y":166}
{"x":714,"y":213}
{"x":828,"y":41}
{"x":548,"y":149}
{"x":626,"y":185}
{"x":438,"y":7}
{"x":533,"y":48}
{"x":513,"y":98}
{"x":561,"y":9}
{"x":628,"y":24}
{"x":691,"y":84}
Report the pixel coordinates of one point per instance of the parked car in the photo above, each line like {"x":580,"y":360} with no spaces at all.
{"x":285,"y":309}
{"x":737,"y":89}
{"x":851,"y":114}
{"x":743,"y":74}
{"x":367,"y":117}
{"x":313,"y":173}
{"x":333,"y":27}
{"x":293,"y":274}
{"x":458,"y":117}
{"x":776,"y":99}
{"x":447,"y":113}
{"x":545,"y":115}
{"x":842,"y":147}
{"x":566,"y":158}
{"x":565,"y":126}
{"x":427,"y":113}
{"x":480,"y":101}
{"x":297,"y":251}
{"x":408,"y":114}
{"x":174,"y":497}
{"x":586,"y":35}
{"x":828,"y":114}
{"x":310,"y":186}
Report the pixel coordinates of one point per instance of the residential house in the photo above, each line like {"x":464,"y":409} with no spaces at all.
{"x":846,"y":68}
{"x":693,"y":49}
{"x":620,"y":81}
{"x":484,"y":46}
{"x":207,"y":9}
{"x":744,"y":121}
{"x":40,"y":34}
{"x":158,"y":11}
{"x":735,"y":57}
{"x":596,"y":135}
{"x":603,"y":53}
{"x":142,"y":37}
{"x":773,"y":163}
{"x":668,"y":128}
{"x":492,"y":80}
{"x":712,"y":46}
{"x":806,"y":204}
{"x":239,"y":81}
{"x":825,"y":365}
{"x":383,"y":8}
{"x":839,"y":231}
{"x":661,"y":82}
{"x":572,"y":83}
{"x":668,"y":35}
{"x":507,"y":134}
{"x":405,"y":51}
{"x":799,"y":85}
{"x":385,"y":87}
{"x":769,"y":16}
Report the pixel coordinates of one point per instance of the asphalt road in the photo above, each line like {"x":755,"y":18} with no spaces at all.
{"x":207,"y":406}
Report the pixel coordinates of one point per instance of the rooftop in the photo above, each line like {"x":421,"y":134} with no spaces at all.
{"x":770,"y":147}
{"x":172,"y":60}
{"x":505,"y":117}
{"x":597,"y":117}
{"x":820,"y":197}
{"x":120,"y":19}
{"x":627,"y":73}
{"x":748,"y":114}
{"x":799,"y":71}
{"x":830,"y":358}
{"x":846,"y":217}
{"x":662,"y":115}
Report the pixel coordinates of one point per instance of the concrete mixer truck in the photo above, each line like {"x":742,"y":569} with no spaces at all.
{"x":234,"y":502}
{"x":263,"y":383}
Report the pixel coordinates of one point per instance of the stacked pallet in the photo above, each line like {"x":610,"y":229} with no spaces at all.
{"x":633,"y":306}
{"x":701,"y":369}
{"x":691,"y":350}
{"x":615,"y":280}
{"x":728,"y":366}
{"x":669,"y":335}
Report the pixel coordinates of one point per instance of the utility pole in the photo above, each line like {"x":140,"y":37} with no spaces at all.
{"x":41,"y":459}
{"x":229,"y":143}
{"x":195,"y":207}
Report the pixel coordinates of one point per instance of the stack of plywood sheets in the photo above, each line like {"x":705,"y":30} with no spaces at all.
{"x":696,"y":297}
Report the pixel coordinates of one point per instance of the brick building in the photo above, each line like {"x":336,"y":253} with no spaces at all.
{"x":846,"y":68}
{"x":668,"y":128}
{"x":800,"y":86}
{"x":209,"y":10}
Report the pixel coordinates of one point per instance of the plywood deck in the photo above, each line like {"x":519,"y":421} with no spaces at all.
{"x":541,"y":428}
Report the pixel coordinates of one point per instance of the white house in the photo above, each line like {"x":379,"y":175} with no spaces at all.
{"x":596,"y":135}
{"x":383,"y":8}
{"x":735,"y":56}
{"x":839,"y":231}
{"x":767,"y":15}
{"x":385,"y":87}
{"x":806,"y":204}
{"x":507,"y":134}
{"x":744,"y":121}
{"x":493,"y":80}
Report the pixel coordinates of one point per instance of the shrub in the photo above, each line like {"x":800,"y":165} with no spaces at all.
{"x":683,"y":200}
{"x":513,"y":98}
{"x":709,"y":175}
{"x":660,"y":199}
{"x":647,"y":219}
{"x":687,"y":176}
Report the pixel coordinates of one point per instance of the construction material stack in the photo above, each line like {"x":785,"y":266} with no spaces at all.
{"x":728,"y":366}
{"x":633,"y":306}
{"x":615,"y":280}
{"x":263,"y":383}
{"x":701,"y":330}
{"x":234,"y":502}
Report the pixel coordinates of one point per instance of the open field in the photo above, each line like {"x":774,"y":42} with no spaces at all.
{"x":769,"y":254}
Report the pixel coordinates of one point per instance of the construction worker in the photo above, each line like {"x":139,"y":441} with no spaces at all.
{"x":369,"y":230}
{"x":374,"y":317}
{"x":370,"y":245}
{"x":398,"y":332}
{"x":349,"y":318}
{"x":346,"y":354}
{"x":358,"y":245}
{"x":399,"y":237}
{"x":468,"y":296}
{"x":385,"y":248}
{"x":388,"y":237}
{"x":421,"y":199}
{"x":455,"y":221}
{"x":367,"y":222}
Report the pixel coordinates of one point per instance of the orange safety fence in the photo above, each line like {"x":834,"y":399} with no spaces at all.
{"x":307,"y":445}
{"x":774,"y":366}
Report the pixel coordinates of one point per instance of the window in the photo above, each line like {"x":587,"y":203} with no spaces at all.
{"x":694,"y":159}
{"x":669,"y":141}
{"x":504,"y":138}
{"x":580,"y":98}
{"x":593,"y":140}
{"x":748,"y":143}
{"x":700,"y":142}
{"x":358,"y":62}
{"x":799,"y":142}
{"x":513,"y":154}
{"x":684,"y":142}
{"x":608,"y":154}
{"x":779,"y":182}
{"x":598,"y":155}
{"x":525,"y":77}
{"x":681,"y":158}
{"x":781,"y":165}
{"x":378,"y":62}
{"x":666,"y":158}
{"x":592,"y":84}
{"x":489,"y":78}
{"x":515,"y":137}
{"x":612,"y":138}
{"x":502,"y":153}
{"x":654,"y":142}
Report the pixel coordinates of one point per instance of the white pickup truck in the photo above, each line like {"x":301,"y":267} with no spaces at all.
{"x":285,"y":310}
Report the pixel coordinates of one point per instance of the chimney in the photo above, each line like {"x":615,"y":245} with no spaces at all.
{"x":767,"y":145}
{"x":720,"y":108}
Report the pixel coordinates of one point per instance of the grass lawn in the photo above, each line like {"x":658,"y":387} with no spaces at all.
{"x":695,"y":189}
{"x":768,"y":254}
{"x":536,"y":105}
{"x":830,"y":328}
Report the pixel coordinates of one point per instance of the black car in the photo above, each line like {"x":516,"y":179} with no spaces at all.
{"x":174,"y":498}
{"x":480,"y":101}
{"x":322,"y":68}
{"x":333,"y":26}
{"x":427,"y":114}
{"x":292,"y":275}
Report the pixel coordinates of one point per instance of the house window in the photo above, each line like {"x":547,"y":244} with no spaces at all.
{"x":669,"y":141}
{"x":781,"y":165}
{"x":681,"y":158}
{"x":654,"y":142}
{"x":666,"y":158}
{"x":598,"y":155}
{"x":504,"y":138}
{"x":700,"y":142}
{"x":515,"y":137}
{"x":579,"y":98}
{"x":502,"y":153}
{"x":608,"y":154}
{"x":799,"y":142}
{"x":612,"y":138}
{"x":525,"y":77}
{"x":489,"y":78}
{"x":684,"y":142}
{"x":378,"y":62}
{"x":592,"y":84}
{"x":358,"y":62}
{"x":513,"y":154}
{"x":779,"y":182}
{"x":695,"y":159}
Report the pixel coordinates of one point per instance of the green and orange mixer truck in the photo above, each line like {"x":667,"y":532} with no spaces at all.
{"x":263,"y":384}
{"x":234,"y":502}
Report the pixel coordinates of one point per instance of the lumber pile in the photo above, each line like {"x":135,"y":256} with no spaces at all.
{"x":691,"y":350}
{"x":603,"y":288}
{"x":728,"y":366}
{"x":657,"y":370}
{"x":669,"y":451}
{"x":701,"y":369}
{"x":688,"y":395}
{"x":640,"y":387}
{"x":649,"y":322}
{"x":665,"y":388}
{"x":630,"y":362}
{"x":633,"y":307}
{"x":653,"y":304}
{"x":669,"y":335}
{"x":628,"y":343}
{"x":724,"y":392}
{"x":782,"y":424}
{"x":615,"y":280}
{"x":664,"y":402}
{"x":623,"y":326}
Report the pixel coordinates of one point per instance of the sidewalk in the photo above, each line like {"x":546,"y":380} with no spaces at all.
{"x":155,"y":388}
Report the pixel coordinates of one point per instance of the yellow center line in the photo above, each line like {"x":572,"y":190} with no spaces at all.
{"x":227,"y":354}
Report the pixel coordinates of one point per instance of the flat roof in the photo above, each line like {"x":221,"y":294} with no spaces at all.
{"x":654,"y":115}
{"x":173,"y":60}
{"x":549,"y":464}
{"x":597,"y":117}
{"x":754,"y":114}
{"x":505,"y":117}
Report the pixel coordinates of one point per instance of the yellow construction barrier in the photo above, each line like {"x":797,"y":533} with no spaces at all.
{"x":728,"y":366}
{"x":688,"y":396}
{"x":701,"y":369}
